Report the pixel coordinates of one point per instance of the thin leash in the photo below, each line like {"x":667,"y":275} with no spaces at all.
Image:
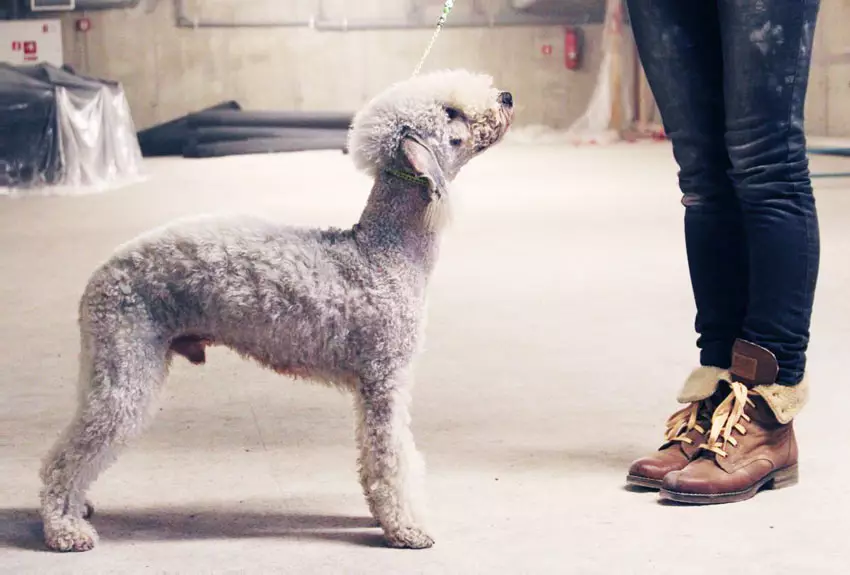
{"x":447,"y":8}
{"x":420,"y":180}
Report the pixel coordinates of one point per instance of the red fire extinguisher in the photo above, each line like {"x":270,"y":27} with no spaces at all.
{"x":572,"y":48}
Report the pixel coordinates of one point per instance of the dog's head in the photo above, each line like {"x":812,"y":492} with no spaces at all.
{"x":430,"y":125}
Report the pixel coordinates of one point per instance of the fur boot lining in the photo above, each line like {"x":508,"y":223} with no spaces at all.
{"x":785,"y":401}
{"x":702,"y":383}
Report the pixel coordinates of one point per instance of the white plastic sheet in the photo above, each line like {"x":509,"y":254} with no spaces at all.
{"x":64,"y":134}
{"x":610,"y":111}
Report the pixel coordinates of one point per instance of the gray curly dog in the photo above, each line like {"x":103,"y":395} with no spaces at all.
{"x":343,"y":307}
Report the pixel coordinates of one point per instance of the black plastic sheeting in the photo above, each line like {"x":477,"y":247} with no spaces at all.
{"x":60,"y":128}
{"x":29,"y":150}
{"x":65,"y":77}
{"x":226,"y":129}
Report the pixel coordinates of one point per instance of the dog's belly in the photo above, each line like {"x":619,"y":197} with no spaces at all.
{"x":336,"y":378}
{"x":193,"y":348}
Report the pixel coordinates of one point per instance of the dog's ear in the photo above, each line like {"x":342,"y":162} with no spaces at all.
{"x":423,"y":160}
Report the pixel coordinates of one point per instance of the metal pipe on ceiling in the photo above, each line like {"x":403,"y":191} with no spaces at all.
{"x":21,"y":8}
{"x":505,"y":15}
{"x":504,"y":18}
{"x":105,"y":4}
{"x":499,"y":21}
{"x":184,"y":20}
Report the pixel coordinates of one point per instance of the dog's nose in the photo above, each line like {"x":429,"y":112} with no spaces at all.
{"x":506,"y":99}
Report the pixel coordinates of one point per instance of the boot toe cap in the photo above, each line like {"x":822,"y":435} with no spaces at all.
{"x":648,"y":468}
{"x":683,"y":482}
{"x":650,"y":471}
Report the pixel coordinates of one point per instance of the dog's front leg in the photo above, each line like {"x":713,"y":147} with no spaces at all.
{"x":391,"y":468}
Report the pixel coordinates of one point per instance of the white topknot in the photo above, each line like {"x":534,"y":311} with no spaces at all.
{"x":418,"y":104}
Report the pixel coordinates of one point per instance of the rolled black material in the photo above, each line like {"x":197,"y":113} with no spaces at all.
{"x":169,"y":138}
{"x":827,"y":151}
{"x":337,"y":141}
{"x":323,"y":120}
{"x":226,"y":129}
{"x":207,"y":134}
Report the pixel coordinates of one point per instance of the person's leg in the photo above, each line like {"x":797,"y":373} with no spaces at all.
{"x":767,"y":52}
{"x":751,"y":444}
{"x":679,"y":45}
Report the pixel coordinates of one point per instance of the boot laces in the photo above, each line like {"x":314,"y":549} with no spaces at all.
{"x":727,"y":418}
{"x":686,"y":419}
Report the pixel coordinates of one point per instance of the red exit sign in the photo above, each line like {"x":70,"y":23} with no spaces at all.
{"x":28,"y":47}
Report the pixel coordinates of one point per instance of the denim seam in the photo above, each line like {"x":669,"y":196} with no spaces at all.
{"x":795,"y":187}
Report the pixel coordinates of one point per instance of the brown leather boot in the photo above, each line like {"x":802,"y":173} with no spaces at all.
{"x":751,"y":444}
{"x":686,"y":430}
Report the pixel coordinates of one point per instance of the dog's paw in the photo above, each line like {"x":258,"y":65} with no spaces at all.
{"x":409,"y":538}
{"x":70,"y":534}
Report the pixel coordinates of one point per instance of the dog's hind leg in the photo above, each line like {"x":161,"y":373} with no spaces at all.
{"x":391,"y":468}
{"x":118,"y":379}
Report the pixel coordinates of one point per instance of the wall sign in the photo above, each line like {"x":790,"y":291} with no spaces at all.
{"x":31,"y":42}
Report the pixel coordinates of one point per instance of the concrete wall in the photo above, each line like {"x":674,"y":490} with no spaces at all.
{"x":168,"y":71}
{"x":828,"y":103}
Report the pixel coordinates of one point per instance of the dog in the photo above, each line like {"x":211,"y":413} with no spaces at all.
{"x":342,"y":307}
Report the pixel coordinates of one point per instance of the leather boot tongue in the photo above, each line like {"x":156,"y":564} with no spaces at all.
{"x":753,"y":365}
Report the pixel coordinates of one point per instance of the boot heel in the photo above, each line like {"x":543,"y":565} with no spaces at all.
{"x":785,"y":478}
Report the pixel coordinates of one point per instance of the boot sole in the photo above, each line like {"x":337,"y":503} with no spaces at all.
{"x":778,"y":479}
{"x":642,"y":482}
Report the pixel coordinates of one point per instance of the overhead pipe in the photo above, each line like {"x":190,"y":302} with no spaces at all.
{"x":21,"y":9}
{"x":94,"y":5}
{"x":504,"y":18}
{"x":184,"y":20}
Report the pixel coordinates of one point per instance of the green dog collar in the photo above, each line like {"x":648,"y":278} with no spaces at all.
{"x":408,"y":177}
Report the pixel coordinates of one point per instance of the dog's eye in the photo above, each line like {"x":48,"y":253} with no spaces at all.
{"x":452,"y":113}
{"x":455,"y":142}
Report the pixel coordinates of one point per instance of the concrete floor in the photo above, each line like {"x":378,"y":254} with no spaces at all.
{"x":560,"y":329}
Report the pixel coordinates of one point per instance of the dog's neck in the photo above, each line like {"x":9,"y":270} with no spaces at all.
{"x":402,"y":218}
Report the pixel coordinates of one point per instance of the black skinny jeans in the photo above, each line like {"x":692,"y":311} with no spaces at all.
{"x":730,"y":79}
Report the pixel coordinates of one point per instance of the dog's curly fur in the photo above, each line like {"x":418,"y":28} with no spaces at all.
{"x":344,"y":307}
